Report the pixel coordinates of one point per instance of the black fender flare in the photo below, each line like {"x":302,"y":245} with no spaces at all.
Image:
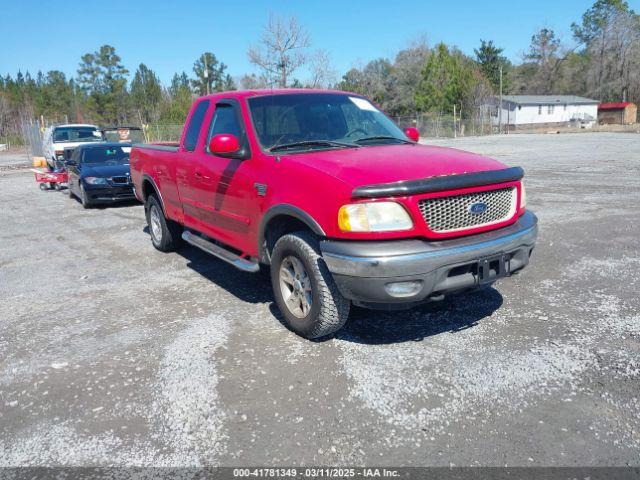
{"x":284,"y":209}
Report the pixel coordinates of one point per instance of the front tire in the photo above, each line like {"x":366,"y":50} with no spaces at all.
{"x":165,"y":234}
{"x":304,"y":289}
{"x":83,"y":198}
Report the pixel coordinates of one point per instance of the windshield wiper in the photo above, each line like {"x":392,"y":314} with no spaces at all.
{"x":382,"y":137}
{"x":311,"y":143}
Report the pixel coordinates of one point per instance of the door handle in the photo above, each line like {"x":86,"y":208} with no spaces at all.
{"x":197,"y":174}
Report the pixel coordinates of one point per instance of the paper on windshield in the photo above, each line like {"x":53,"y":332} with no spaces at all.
{"x":363,"y":104}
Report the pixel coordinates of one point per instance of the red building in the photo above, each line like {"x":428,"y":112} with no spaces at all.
{"x":620,"y":113}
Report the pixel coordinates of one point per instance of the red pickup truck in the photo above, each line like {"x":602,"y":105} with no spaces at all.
{"x":344,"y":206}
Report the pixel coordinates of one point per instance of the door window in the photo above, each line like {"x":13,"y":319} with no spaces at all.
{"x":225,"y":120}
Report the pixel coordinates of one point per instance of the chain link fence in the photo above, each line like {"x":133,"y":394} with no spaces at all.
{"x":32,"y":138}
{"x":162,"y":133}
{"x":430,"y":126}
{"x":436,"y":125}
{"x":32,"y":134}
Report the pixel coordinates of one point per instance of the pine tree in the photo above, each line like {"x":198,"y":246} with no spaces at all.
{"x":490,"y":59}
{"x":146,"y":93}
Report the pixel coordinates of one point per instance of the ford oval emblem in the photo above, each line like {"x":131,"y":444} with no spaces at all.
{"x":477,"y":208}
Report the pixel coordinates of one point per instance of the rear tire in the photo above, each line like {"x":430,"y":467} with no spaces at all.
{"x":166,"y":235}
{"x":304,"y":289}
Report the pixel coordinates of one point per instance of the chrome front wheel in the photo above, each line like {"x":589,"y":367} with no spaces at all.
{"x":295,"y":286}
{"x":304,"y":289}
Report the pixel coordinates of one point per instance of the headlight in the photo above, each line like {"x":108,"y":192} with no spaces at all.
{"x":95,"y":180}
{"x":523,"y":196}
{"x":374,"y":217}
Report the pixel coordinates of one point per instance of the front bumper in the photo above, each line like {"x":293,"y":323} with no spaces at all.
{"x":109,"y":194}
{"x":363,"y":270}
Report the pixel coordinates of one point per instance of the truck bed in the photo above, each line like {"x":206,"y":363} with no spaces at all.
{"x":164,"y":146}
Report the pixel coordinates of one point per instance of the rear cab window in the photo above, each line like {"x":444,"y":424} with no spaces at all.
{"x":195,"y":125}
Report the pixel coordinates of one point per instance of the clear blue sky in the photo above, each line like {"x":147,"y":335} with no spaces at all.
{"x":38,"y":35}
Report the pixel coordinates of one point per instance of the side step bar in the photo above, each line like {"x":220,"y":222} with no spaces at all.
{"x":220,"y":252}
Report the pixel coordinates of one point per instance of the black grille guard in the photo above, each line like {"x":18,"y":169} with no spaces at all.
{"x":438,"y":184}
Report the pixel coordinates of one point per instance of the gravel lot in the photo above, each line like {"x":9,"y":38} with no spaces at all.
{"x":112,"y":353}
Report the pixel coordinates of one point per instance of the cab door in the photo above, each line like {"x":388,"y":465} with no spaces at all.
{"x":187,"y":174}
{"x":223,"y":187}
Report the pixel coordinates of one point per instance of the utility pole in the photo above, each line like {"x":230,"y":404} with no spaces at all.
{"x":455,"y":133}
{"x":500,"y":106}
{"x":206,"y":73}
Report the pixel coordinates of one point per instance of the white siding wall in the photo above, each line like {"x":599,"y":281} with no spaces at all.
{"x":532,"y":114}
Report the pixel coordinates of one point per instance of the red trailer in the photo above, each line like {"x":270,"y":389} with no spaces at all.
{"x":49,"y":180}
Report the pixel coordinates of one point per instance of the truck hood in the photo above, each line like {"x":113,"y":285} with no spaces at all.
{"x":393,"y":163}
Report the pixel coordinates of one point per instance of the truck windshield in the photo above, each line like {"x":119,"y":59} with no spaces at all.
{"x":76,"y":134}
{"x":111,"y":155}
{"x":307,"y":121}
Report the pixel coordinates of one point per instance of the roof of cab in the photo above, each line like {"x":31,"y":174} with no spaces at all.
{"x":71,"y":125}
{"x":84,"y":146}
{"x":270,"y":91}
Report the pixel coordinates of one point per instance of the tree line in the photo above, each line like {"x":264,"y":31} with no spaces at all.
{"x":604,"y":64}
{"x":104,"y":92}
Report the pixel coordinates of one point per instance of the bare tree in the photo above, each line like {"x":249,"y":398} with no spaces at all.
{"x":406,"y":74}
{"x":610,"y":32}
{"x":615,"y":51}
{"x":281,"y":50}
{"x":252,"y":82}
{"x":322,"y":73}
{"x":545,"y":52}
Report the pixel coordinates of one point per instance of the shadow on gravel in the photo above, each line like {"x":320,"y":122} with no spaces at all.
{"x":248,"y":287}
{"x":454,"y":313}
{"x":103,"y":206}
{"x":116,"y":205}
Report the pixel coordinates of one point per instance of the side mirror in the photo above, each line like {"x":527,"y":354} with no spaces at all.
{"x":412,"y":133}
{"x":224,"y":144}
{"x":70,"y":163}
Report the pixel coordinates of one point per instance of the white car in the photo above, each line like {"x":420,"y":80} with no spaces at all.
{"x":57,"y":138}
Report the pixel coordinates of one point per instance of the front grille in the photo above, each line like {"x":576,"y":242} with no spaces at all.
{"x":120,"y":180}
{"x":453,"y":213}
